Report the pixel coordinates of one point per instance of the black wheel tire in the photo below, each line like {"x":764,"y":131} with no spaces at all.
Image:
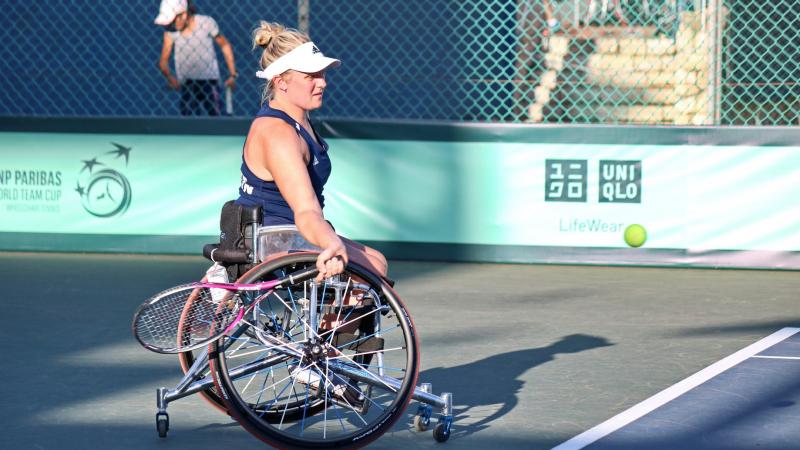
{"x":162,"y":425}
{"x":441,"y":433}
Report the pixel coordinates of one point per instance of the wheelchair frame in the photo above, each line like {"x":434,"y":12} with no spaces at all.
{"x":265,"y":241}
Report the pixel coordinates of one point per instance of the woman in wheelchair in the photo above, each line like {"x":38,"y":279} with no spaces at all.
{"x":330,"y":363}
{"x":285,"y":163}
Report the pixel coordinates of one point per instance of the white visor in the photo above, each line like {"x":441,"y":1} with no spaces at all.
{"x":306,"y":58}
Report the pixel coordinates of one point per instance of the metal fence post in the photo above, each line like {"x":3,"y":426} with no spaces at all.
{"x":303,"y":15}
{"x":717,"y":85}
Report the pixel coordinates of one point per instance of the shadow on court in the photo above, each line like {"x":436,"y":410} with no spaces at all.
{"x":468,"y":382}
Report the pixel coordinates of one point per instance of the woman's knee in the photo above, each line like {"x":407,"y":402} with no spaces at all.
{"x":379,"y":261}
{"x":376,"y":261}
{"x":367,"y":256}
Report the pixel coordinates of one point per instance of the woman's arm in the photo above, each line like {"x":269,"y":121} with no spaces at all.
{"x":227,"y":53}
{"x":284,"y":156}
{"x":163,"y":62}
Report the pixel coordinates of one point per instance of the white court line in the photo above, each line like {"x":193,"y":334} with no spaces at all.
{"x":635,"y":412}
{"x":776,"y":357}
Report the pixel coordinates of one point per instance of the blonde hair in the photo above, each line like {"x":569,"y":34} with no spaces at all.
{"x":276,"y":40}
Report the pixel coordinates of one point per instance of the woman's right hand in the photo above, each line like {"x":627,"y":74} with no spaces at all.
{"x":332,"y":260}
{"x":173,"y":82}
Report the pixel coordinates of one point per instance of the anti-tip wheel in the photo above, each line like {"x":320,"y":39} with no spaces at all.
{"x":162,"y":424}
{"x":421,"y":423}
{"x":441,"y":432}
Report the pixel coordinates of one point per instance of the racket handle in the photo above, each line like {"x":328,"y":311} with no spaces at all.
{"x":228,"y":100}
{"x":301,"y":275}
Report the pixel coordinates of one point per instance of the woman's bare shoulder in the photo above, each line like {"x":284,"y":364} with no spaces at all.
{"x":274,"y":125}
{"x":274,"y":133}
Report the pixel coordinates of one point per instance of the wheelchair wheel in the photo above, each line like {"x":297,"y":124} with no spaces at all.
{"x":211,"y":395}
{"x":339,"y":385}
{"x":186,"y":360}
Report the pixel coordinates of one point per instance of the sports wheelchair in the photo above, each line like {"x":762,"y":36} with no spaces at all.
{"x":329,"y":364}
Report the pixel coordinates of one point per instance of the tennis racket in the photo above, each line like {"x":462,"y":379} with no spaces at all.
{"x":193,"y":315}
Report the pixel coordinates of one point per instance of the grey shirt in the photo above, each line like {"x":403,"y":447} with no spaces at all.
{"x":195,"y":58}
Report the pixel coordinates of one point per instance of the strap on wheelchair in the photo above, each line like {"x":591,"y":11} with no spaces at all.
{"x":233,"y":256}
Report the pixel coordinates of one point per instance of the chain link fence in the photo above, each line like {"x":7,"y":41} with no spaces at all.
{"x":666,"y":62}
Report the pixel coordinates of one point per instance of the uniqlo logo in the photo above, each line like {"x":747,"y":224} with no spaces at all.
{"x":620,"y":181}
{"x":565,"y":180}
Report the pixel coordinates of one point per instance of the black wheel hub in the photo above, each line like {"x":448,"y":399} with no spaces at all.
{"x":315,"y":352}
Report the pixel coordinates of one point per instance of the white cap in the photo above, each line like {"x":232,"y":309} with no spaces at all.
{"x":306,"y":58}
{"x":169,"y":9}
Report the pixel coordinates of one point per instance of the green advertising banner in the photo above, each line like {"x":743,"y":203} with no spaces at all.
{"x":688,"y":197}
{"x":115,"y":184}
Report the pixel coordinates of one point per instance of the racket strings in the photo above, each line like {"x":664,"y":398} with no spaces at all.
{"x":185,"y":317}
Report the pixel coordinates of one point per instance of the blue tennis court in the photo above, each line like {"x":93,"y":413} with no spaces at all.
{"x":747,"y":400}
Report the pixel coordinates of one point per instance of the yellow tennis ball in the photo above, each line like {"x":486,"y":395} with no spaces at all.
{"x":635,"y":235}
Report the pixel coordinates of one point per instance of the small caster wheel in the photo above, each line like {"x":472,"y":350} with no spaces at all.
{"x":423,"y":418}
{"x":162,"y":424}
{"x":421,"y":423}
{"x":441,"y":432}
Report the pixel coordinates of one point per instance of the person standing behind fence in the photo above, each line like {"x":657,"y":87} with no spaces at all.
{"x":197,"y":72}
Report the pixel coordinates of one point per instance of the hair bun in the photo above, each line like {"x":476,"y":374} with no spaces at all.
{"x":263,"y":35}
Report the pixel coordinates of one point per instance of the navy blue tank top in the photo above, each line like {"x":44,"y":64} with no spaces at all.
{"x":254,"y":191}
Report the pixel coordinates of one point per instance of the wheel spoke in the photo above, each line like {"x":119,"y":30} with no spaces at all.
{"x":333,"y":330}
